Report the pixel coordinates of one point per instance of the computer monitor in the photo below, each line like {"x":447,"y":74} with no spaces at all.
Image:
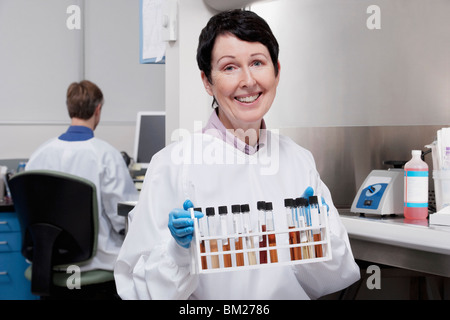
{"x":150,"y":136}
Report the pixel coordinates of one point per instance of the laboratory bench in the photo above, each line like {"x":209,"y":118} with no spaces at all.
{"x":396,"y":241}
{"x":401,"y":244}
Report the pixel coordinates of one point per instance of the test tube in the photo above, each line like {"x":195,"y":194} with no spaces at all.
{"x":270,"y":223}
{"x":245,"y":209}
{"x":201,"y":241}
{"x":223,"y":211}
{"x":289,"y":204}
{"x":237,"y":225}
{"x":315,"y":222}
{"x":261,"y":206}
{"x":301,"y":204}
{"x":309,"y":234}
{"x":210,"y":215}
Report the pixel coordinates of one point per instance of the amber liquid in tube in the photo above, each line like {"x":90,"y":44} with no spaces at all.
{"x":293,"y":238}
{"x":239,"y":255}
{"x":262,"y":244}
{"x":201,"y":227}
{"x":271,"y":227}
{"x":318,"y":247}
{"x":315,"y":221}
{"x":261,"y":206}
{"x":203,"y":258}
{"x":237,"y":224}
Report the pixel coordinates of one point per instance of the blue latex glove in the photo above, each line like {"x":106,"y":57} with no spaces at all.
{"x":181,"y":225}
{"x":309,"y":192}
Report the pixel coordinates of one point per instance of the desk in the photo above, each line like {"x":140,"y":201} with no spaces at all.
{"x":123,"y":209}
{"x":395,"y":241}
{"x":13,"y":284}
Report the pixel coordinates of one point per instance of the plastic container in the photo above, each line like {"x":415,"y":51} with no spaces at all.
{"x":416,"y":187}
{"x":441,"y":188}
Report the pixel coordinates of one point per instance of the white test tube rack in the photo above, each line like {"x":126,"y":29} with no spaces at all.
{"x":283,"y":259}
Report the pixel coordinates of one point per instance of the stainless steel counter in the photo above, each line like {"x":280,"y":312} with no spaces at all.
{"x":395,"y":241}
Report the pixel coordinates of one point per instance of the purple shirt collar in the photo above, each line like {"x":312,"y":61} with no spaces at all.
{"x":216,"y":128}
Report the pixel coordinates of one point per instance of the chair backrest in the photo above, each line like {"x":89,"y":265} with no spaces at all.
{"x":58,"y":220}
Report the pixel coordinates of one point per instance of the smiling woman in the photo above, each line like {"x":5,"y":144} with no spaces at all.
{"x":243,"y":81}
{"x":238,"y":58}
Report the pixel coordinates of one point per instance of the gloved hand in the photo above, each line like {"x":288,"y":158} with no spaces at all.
{"x":309,"y":192}
{"x":181,"y":225}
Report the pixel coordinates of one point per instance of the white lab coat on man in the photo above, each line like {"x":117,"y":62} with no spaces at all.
{"x":211,"y":172}
{"x":99,"y":162}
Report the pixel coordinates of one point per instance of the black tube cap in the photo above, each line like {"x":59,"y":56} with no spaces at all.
{"x":245,"y":208}
{"x":261,"y":205}
{"x":223,"y":210}
{"x":289,"y":202}
{"x":236,"y":208}
{"x":210,"y":211}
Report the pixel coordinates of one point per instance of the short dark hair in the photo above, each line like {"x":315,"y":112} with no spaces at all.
{"x":82,"y":99}
{"x":245,"y":25}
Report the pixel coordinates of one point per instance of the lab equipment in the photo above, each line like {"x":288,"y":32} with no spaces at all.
{"x":245,"y":210}
{"x":416,"y":187}
{"x":201,"y":229}
{"x":306,"y":231}
{"x":301,"y":207}
{"x":237,"y":228}
{"x":150,"y":136}
{"x":381,"y":193}
{"x":214,"y":259}
{"x":261,"y":207}
{"x":225,"y":243}
{"x":295,"y":252}
{"x":441,"y":176}
{"x":270,"y":223}
{"x":315,"y":222}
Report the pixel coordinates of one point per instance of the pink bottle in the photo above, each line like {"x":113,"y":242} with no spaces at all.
{"x":415,"y":204}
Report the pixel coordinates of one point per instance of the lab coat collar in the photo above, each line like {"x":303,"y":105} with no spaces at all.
{"x":216,"y":128}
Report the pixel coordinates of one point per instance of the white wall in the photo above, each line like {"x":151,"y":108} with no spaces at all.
{"x":186,"y":99}
{"x":335,"y":71}
{"x":40,"y":56}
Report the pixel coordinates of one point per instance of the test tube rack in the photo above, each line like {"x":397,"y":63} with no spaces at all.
{"x":206,"y":259}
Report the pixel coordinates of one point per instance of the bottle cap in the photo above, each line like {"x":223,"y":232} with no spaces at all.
{"x":236,"y":208}
{"x":223,"y":210}
{"x":210,"y":211}
{"x":198,"y":209}
{"x":416,"y":152}
{"x":269,"y":206}
{"x":261,"y":205}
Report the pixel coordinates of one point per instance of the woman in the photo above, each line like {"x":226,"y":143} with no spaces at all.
{"x":233,"y":161}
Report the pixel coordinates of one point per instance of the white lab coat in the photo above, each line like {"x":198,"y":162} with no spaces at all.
{"x":211,"y":172}
{"x":99,"y":162}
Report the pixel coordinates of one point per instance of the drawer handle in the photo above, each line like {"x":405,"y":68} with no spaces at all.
{"x":3,"y":222}
{"x":3,"y":273}
{"x":3,"y":243}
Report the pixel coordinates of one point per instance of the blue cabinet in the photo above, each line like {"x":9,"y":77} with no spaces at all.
{"x":13,"y":284}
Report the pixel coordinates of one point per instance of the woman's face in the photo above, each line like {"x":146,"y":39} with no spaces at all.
{"x":243,"y":81}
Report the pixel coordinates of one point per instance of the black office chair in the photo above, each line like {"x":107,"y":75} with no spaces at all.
{"x":58,"y":217}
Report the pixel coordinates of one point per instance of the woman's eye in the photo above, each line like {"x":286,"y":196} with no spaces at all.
{"x":257,"y":63}
{"x":229,"y":68}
